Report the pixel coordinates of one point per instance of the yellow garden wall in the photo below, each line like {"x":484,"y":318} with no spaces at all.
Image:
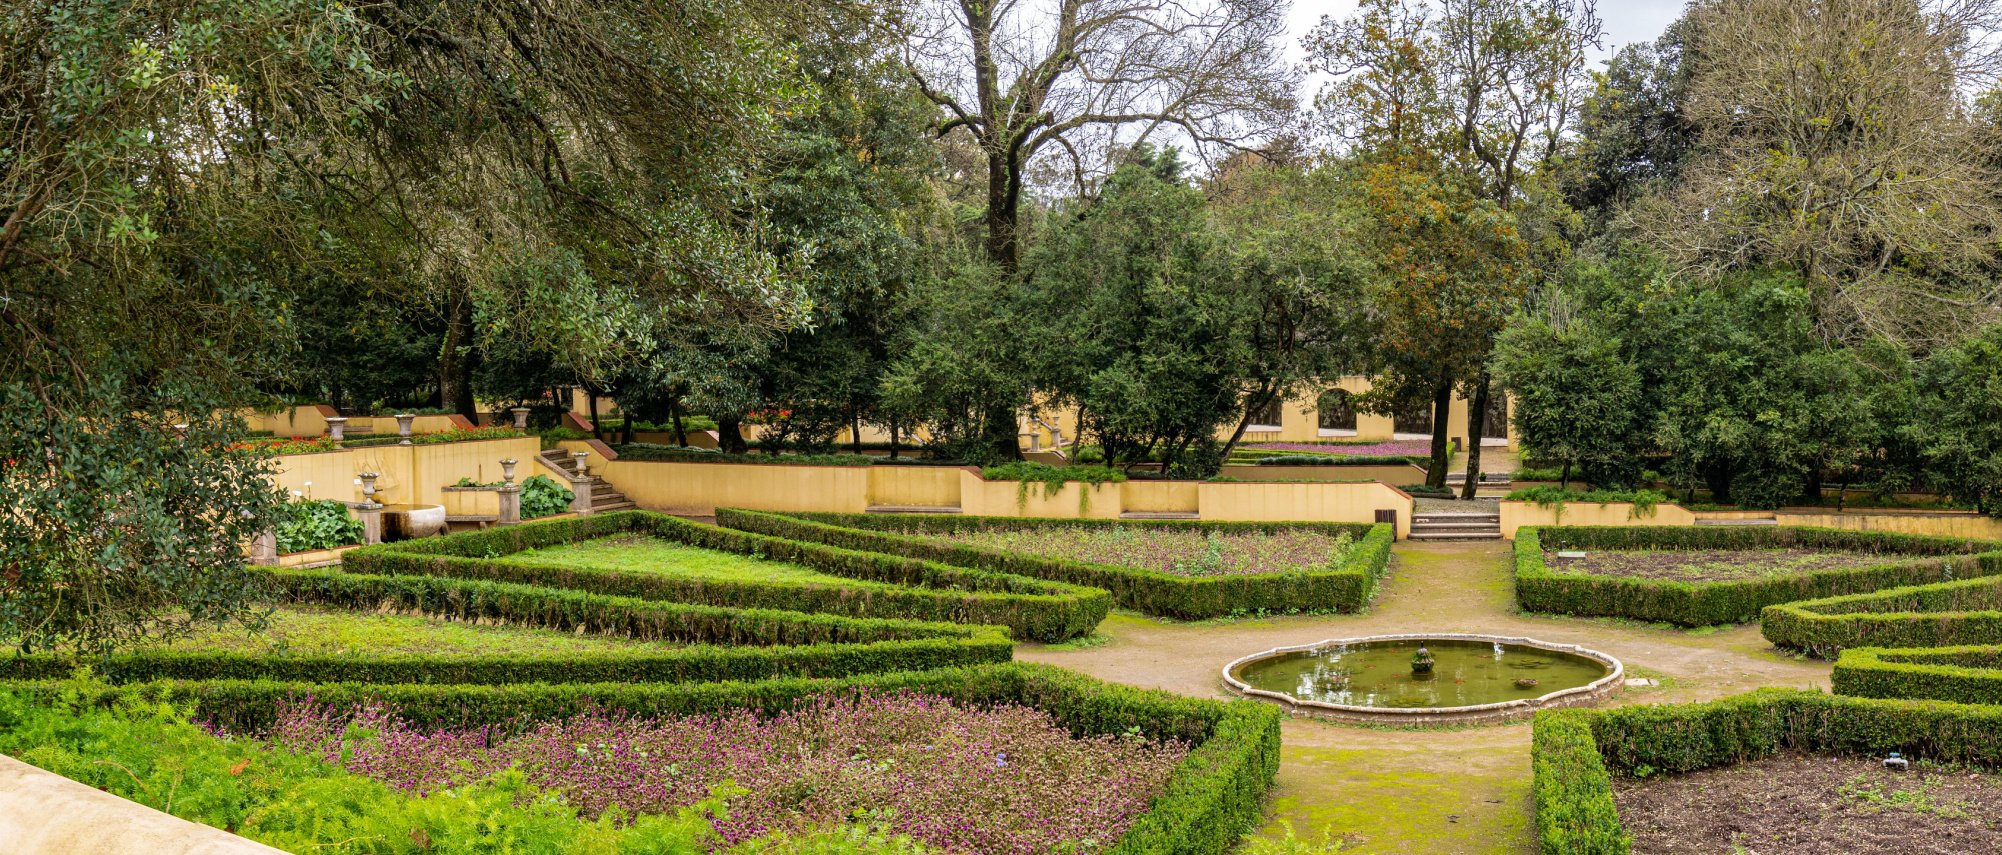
{"x":1008,"y":499}
{"x":1320,"y":502}
{"x":914,"y":486}
{"x":1515,"y":515}
{"x":1965,"y":524}
{"x":700,"y":488}
{"x":1161,"y":497}
{"x":410,"y":473}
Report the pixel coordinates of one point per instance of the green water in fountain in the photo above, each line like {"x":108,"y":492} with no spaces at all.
{"x":1378,"y":673}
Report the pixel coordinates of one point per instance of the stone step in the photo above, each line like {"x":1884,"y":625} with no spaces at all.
{"x":1426,"y":535}
{"x":1767,"y":521}
{"x":1455,"y":519}
{"x":1159,"y":515}
{"x":911,"y":509}
{"x":623,"y":504}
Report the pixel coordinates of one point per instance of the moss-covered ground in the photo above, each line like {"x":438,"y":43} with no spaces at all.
{"x":1442,"y":791}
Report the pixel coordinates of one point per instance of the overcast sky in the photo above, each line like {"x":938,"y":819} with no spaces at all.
{"x":1627,"y":21}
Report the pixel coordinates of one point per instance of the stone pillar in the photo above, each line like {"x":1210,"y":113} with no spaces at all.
{"x":520,"y":417}
{"x":403,"y":421}
{"x":337,"y":428}
{"x":510,"y":505}
{"x":370,"y":514}
{"x":264,"y":549}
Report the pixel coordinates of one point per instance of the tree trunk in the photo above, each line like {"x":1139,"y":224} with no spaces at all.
{"x":1477,"y":418}
{"x":626,"y":432}
{"x":893,"y":439}
{"x":1001,"y":434}
{"x":1718,"y":479}
{"x":1442,"y":409}
{"x":455,"y":360}
{"x":1252,"y":405}
{"x":1564,"y":480}
{"x":674,"y":415}
{"x":1000,"y":218}
{"x":855,"y":424}
{"x":730,"y":435}
{"x":591,"y":397}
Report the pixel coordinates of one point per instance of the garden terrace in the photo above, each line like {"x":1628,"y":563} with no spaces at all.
{"x":842,"y":582}
{"x":639,"y":640}
{"x":1967,"y":611}
{"x":1344,"y":579}
{"x":1587,"y":762}
{"x":1641,"y":578}
{"x":1211,"y":793}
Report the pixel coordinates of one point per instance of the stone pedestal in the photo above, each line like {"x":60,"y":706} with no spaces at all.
{"x":403,"y":421}
{"x":520,"y":417}
{"x":337,"y":428}
{"x":510,"y":506}
{"x":581,"y":487}
{"x":370,"y":514}
{"x":264,"y":549}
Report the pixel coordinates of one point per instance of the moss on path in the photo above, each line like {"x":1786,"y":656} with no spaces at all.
{"x":1420,"y":792}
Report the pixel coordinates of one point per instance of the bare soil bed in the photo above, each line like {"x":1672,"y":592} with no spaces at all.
{"x":1803,"y":804}
{"x":1710,"y":565}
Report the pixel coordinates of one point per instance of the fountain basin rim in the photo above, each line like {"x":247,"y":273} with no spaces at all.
{"x":1615,"y":674}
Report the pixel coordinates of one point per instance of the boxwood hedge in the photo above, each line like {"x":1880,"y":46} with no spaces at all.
{"x":1347,"y":589}
{"x":1213,"y":796}
{"x":1908,"y":560}
{"x":1575,"y":753}
{"x":730,"y":644}
{"x":1968,"y":611}
{"x":1968,"y":675}
{"x":1031,"y":609}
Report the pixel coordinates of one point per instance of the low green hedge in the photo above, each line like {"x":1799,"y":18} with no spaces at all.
{"x":731,"y":644}
{"x":1211,"y":799}
{"x":1575,"y":753}
{"x":1540,"y":588}
{"x":1966,"y":675}
{"x":1144,"y":590}
{"x":1030,"y":608}
{"x":1968,"y":611}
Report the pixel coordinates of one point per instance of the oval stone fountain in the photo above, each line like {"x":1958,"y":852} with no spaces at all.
{"x":1426,"y":679}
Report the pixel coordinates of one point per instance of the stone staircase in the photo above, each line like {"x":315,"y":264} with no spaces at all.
{"x":1160,"y":515}
{"x":604,"y":497}
{"x":1434,"y":525}
{"x":911,"y":509}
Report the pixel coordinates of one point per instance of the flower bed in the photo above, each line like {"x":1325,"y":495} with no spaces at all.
{"x":1003,"y":779}
{"x":1575,"y":754}
{"x":1968,"y":611}
{"x":1209,"y":798}
{"x":1560,"y":589}
{"x":1031,"y":608}
{"x":1338,"y":585}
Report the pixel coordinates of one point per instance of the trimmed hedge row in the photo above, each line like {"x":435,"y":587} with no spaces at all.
{"x":1968,"y":611}
{"x":1576,"y":752}
{"x":1540,"y":588}
{"x":1213,"y":796}
{"x":1963,"y":675}
{"x":1144,"y":590}
{"x":1030,"y":608}
{"x":761,"y":644}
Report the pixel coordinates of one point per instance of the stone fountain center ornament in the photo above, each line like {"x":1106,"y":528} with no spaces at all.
{"x":1378,"y":690}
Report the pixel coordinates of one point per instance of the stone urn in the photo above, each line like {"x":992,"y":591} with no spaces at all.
{"x":1421,"y":662}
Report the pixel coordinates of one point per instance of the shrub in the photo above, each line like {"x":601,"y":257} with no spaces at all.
{"x":760,"y":644}
{"x":1554,"y":497}
{"x":1963,"y":675}
{"x":1030,"y":608}
{"x":1968,"y":611}
{"x":1573,"y":792}
{"x":1540,"y":588}
{"x":541,"y":496}
{"x":317,"y":524}
{"x":678,"y":454}
{"x":1143,"y":590}
{"x":1427,"y":491}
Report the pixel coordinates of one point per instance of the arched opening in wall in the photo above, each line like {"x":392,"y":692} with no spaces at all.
{"x":1267,"y":418}
{"x":1337,"y":413}
{"x":1413,"y":420}
{"x":1494,"y":426}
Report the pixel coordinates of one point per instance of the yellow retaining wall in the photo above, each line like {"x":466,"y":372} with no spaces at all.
{"x":412,"y":474}
{"x":1316,"y":502}
{"x":468,"y":502}
{"x":44,"y":813}
{"x":1392,"y":475}
{"x":1967,"y":524}
{"x":1515,"y":515}
{"x":1007,"y":499}
{"x":1160,"y":497}
{"x":914,"y":486}
{"x":311,"y":420}
{"x":700,"y":488}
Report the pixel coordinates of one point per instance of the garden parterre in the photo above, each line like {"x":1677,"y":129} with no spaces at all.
{"x":1182,"y":551}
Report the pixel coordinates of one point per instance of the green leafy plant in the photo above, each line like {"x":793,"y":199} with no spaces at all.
{"x":541,"y":496}
{"x":317,"y":524}
{"x":1053,"y":479}
{"x":1553,"y":497}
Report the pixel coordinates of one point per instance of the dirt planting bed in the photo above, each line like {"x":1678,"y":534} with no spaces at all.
{"x":1804,"y":804}
{"x":1709,"y":565}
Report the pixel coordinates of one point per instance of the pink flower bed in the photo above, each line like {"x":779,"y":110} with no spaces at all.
{"x":1399,"y":448}
{"x":1006,"y":779}
{"x":1181,"y":552}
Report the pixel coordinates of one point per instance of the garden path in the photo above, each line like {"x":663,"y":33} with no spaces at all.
{"x":1424,"y":792}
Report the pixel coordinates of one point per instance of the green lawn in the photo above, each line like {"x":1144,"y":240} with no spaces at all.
{"x":322,"y":631}
{"x":636,"y":553}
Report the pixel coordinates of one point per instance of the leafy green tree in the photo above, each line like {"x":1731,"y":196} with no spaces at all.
{"x":1578,"y":399}
{"x":1958,"y":420}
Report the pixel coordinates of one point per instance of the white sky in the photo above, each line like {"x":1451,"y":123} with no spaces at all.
{"x":1627,"y":21}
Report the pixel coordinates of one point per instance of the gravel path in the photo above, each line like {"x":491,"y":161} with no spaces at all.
{"x":1436,"y":792}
